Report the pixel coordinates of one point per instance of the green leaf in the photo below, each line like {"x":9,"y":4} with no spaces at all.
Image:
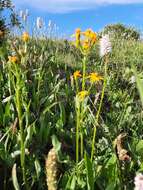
{"x":111,"y":186}
{"x":37,"y":167}
{"x":14,"y":178}
{"x":56,"y":143}
{"x":139,"y":147}
{"x":139,"y":83}
{"x":73,"y":183}
{"x":89,"y":172}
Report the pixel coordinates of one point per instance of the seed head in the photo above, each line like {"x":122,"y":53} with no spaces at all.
{"x":51,"y":169}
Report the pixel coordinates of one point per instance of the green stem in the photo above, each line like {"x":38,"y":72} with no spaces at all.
{"x":77,"y":133}
{"x":81,"y":143}
{"x":19,"y":111}
{"x":84,"y":71}
{"x":100,"y":105}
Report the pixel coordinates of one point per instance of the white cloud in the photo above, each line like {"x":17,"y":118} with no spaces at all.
{"x":68,"y":5}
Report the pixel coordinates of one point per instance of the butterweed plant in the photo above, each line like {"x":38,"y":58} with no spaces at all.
{"x":84,"y":42}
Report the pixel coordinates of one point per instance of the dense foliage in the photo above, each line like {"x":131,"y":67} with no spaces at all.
{"x":121,"y":31}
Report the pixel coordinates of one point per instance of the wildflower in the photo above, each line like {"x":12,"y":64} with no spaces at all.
{"x":25,"y":37}
{"x":86,"y":45}
{"x":51,"y":170}
{"x":49,"y":23}
{"x":77,"y":36}
{"x":94,"y":77}
{"x":82,"y":94}
{"x":13,"y":59}
{"x":39,"y":23}
{"x":105,"y":45}
{"x":133,"y":79}
{"x":93,"y":37}
{"x":21,"y":13}
{"x":27,"y":12}
{"x":24,"y":14}
{"x":88,"y":33}
{"x":76,"y":74}
{"x":138,"y":181}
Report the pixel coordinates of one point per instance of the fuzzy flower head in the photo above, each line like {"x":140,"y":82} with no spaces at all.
{"x":76,"y":74}
{"x":39,"y":23}
{"x":94,"y":77}
{"x":105,"y":45}
{"x":25,"y":37}
{"x":138,"y":181}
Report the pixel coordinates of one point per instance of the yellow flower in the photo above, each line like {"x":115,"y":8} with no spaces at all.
{"x":93,"y":37}
{"x":13,"y":59}
{"x":76,"y":74}
{"x":25,"y":37}
{"x":77,"y":36}
{"x":94,"y":77}
{"x":88,"y":32}
{"x":82,"y":94}
{"x":86,"y":45}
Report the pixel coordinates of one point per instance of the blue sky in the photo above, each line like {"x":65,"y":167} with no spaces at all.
{"x":95,"y":14}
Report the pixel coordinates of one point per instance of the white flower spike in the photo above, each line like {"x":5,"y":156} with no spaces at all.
{"x":39,"y":23}
{"x":105,"y":45}
{"x":138,"y":181}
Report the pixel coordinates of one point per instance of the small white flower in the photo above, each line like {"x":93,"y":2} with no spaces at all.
{"x":138,"y":181}
{"x":21,"y":13}
{"x":24,"y":14}
{"x":24,"y":17}
{"x":39,"y":23}
{"x":50,"y":23}
{"x":27,"y":12}
{"x":105,"y":45}
{"x":132,"y":79}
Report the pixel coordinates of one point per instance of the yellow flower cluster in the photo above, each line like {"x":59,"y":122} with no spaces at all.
{"x":25,"y":36}
{"x":94,"y":77}
{"x":85,"y":40}
{"x":13,"y":59}
{"x":76,"y":74}
{"x":82,"y":94}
